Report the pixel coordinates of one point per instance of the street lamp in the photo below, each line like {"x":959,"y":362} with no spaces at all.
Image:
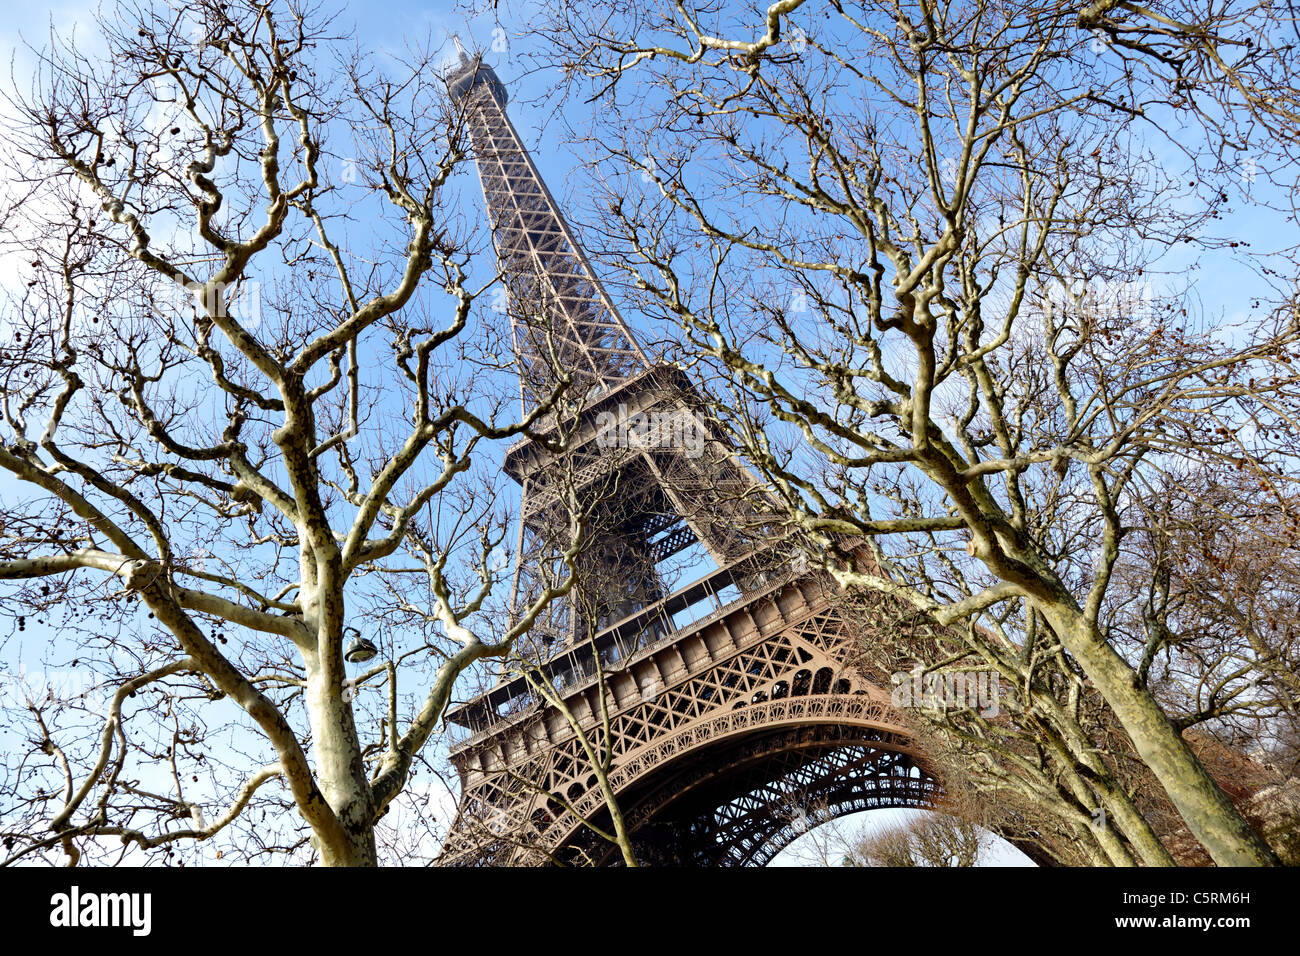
{"x":360,"y":650}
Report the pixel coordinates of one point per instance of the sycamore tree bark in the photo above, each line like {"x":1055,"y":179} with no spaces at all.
{"x":239,"y":436}
{"x":940,"y":262}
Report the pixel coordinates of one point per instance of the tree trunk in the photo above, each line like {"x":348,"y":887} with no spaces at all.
{"x":336,"y":753}
{"x":1112,"y":846}
{"x":1205,"y":808}
{"x":1129,"y":820}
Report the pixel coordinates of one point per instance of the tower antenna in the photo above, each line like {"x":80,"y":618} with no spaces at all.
{"x":464,"y":57}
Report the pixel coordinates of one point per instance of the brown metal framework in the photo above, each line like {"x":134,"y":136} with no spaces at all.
{"x":557,"y":302}
{"x":737,"y":715}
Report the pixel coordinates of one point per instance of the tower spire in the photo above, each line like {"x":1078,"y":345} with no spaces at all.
{"x":557,"y":304}
{"x":464,"y":57}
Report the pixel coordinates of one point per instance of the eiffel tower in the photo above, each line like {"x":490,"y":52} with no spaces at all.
{"x":737,"y":717}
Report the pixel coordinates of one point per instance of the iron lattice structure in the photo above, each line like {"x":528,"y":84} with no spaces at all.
{"x":557,"y":305}
{"x":736,"y":713}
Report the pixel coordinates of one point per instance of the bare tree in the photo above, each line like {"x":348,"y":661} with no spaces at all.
{"x":934,"y":264}
{"x":1024,"y":747}
{"x":932,"y":840}
{"x":926,"y":839}
{"x":239,"y":438}
{"x":822,"y":842}
{"x":1204,"y":601}
{"x":597,"y":747}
